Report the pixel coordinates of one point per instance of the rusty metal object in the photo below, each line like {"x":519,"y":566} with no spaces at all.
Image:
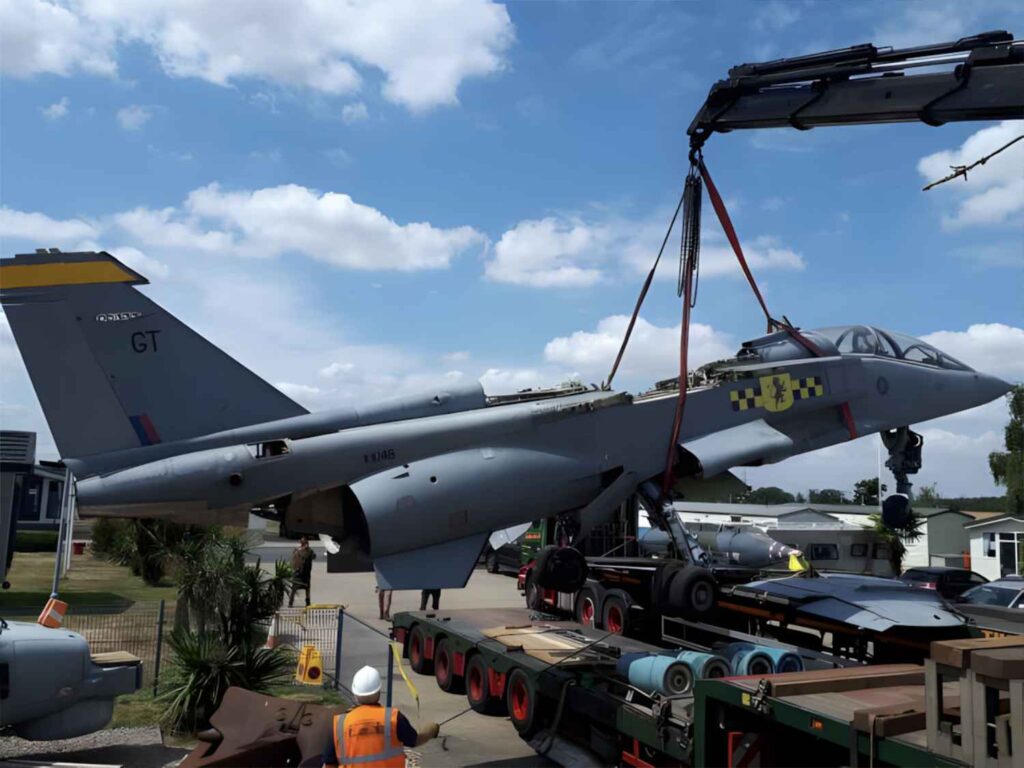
{"x":253,"y":729}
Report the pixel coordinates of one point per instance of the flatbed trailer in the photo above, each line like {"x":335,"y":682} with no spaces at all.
{"x":556,"y":681}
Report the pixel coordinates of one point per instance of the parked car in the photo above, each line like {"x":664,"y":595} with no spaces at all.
{"x":1002,"y":593}
{"x":948,"y":582}
{"x":507,"y":557}
{"x":996,"y":608}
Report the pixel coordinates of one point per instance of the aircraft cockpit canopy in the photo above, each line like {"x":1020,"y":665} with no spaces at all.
{"x":864,"y":340}
{"x":848,"y":340}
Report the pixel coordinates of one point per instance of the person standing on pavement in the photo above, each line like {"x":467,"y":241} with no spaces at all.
{"x":429,"y":593}
{"x":369,"y":735}
{"x":302,"y":569}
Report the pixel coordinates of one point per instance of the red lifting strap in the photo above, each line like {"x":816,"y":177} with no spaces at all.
{"x":734,"y":241}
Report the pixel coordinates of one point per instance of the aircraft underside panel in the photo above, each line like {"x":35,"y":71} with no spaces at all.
{"x":755,"y":440}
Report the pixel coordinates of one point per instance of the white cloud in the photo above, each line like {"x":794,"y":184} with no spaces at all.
{"x":38,"y":36}
{"x":571,"y":251}
{"x":332,"y":370}
{"x":353,"y":113}
{"x":424,"y":50}
{"x":775,"y":15}
{"x":328,"y":227}
{"x":652,"y":354}
{"x":925,"y":22}
{"x":460,"y":356}
{"x":43,"y":230}
{"x":140,"y":262}
{"x":992,"y":348}
{"x":549,"y":253}
{"x":57,"y":110}
{"x":134,"y":116}
{"x":338,"y":156}
{"x":994,"y":192}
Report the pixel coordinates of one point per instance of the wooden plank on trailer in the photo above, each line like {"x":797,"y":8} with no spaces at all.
{"x":957,"y":653}
{"x":1001,"y":663}
{"x":849,"y":679}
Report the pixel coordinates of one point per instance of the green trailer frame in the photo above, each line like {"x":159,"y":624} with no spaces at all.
{"x":720,"y":703}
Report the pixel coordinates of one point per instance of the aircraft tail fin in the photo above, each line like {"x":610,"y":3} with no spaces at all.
{"x":112,"y":369}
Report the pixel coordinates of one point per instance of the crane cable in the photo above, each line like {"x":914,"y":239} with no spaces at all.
{"x":689,"y":258}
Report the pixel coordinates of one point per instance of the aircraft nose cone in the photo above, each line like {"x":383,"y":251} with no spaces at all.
{"x":991,"y":387}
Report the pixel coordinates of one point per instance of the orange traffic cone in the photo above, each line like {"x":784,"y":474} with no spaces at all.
{"x":53,"y":613}
{"x":272,"y":634}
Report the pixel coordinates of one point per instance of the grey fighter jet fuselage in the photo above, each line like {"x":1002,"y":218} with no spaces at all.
{"x":416,"y":485}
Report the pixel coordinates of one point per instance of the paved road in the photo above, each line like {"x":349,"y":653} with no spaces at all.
{"x":472,"y":739}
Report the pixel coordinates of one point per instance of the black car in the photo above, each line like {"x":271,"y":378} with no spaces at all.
{"x":507,"y":557}
{"x":948,"y":582}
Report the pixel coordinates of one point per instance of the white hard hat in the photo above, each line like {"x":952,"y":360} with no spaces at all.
{"x":366,"y":682}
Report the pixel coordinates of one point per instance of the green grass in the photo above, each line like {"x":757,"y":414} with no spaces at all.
{"x":35,"y":541}
{"x":89,"y":582}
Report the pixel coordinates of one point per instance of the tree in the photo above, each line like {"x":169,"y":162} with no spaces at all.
{"x":1008,"y":466}
{"x":896,"y":540}
{"x":826,"y":496}
{"x":928,"y":496}
{"x":769,"y":495}
{"x":800,"y":499}
{"x":866,"y":492}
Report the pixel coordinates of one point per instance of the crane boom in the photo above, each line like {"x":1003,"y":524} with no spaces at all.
{"x":981,"y":78}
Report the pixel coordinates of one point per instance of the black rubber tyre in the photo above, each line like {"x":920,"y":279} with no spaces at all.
{"x":692,"y":591}
{"x":492,"y":562}
{"x":417,"y":645}
{"x":523,"y":703}
{"x":478,"y":688}
{"x":660,"y":588}
{"x":444,"y":668}
{"x":560,"y":568}
{"x":587,"y":610}
{"x":534,"y":598}
{"x":615,"y":614}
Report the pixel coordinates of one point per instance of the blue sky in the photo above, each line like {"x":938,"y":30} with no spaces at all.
{"x":427,"y":193}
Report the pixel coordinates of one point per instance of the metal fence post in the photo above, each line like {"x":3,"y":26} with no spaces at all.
{"x":391,"y":670}
{"x":159,"y":646}
{"x":337,"y":648}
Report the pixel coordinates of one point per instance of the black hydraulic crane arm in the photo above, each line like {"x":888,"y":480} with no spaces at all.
{"x":975,"y":78}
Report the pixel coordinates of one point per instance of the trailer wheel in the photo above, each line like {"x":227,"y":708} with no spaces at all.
{"x":587,"y":605}
{"x":560,"y":568}
{"x":534,"y":594}
{"x":523,"y":703}
{"x":444,"y":668}
{"x":692,"y":591}
{"x":417,"y":645}
{"x":478,"y":688}
{"x":615,"y":615}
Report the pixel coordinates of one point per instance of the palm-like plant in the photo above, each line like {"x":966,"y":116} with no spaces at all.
{"x":204,"y":667}
{"x":224,"y":604}
{"x":895,"y":540}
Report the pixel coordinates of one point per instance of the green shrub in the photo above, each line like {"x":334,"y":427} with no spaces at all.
{"x":203,"y":667}
{"x":107,"y":536}
{"x":35,"y":541}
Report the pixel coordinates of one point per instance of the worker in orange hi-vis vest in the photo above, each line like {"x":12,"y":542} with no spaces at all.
{"x":370,"y":735}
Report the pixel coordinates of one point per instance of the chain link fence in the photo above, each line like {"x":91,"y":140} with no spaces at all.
{"x":344,"y":642}
{"x":139,"y":629}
